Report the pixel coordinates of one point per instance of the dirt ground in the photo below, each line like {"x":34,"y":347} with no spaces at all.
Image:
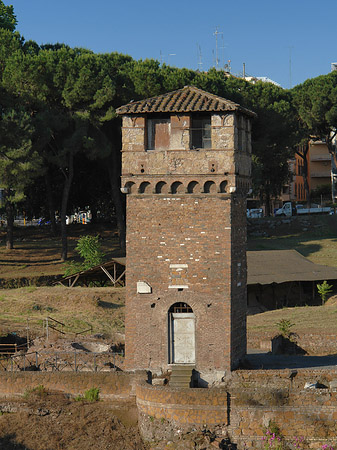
{"x":54,"y":422}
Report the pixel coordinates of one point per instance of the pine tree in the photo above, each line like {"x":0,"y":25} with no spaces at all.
{"x":18,"y":161}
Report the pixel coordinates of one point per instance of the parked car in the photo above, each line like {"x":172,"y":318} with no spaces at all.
{"x":254,"y":213}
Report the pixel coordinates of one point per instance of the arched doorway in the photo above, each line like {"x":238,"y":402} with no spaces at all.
{"x":181,"y":324}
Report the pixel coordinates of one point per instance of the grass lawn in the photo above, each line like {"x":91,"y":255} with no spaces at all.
{"x":37,"y":253}
{"x":315,"y":319}
{"x":79,"y":309}
{"x":316,"y":241}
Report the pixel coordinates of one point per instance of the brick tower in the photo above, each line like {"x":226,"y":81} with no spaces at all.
{"x":186,"y":167}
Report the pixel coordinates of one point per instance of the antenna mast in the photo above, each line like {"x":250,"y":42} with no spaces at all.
{"x":216,"y":47}
{"x":199,"y":58}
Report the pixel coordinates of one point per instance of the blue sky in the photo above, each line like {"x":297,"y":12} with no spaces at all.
{"x":263,"y":34}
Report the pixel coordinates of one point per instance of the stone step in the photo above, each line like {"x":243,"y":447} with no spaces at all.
{"x":180,"y":384}
{"x":181,"y":376}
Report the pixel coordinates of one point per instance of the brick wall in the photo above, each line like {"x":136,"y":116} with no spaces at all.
{"x":243,"y":407}
{"x":110,"y":384}
{"x":166,"y":413}
{"x":184,"y":230}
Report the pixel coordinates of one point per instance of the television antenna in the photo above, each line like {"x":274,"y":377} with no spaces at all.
{"x":223,"y":46}
{"x":216,"y":34}
{"x":199,"y":58}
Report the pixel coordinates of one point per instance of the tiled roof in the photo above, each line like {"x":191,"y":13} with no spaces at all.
{"x":187,"y":99}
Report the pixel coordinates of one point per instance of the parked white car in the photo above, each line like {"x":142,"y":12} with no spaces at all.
{"x":254,"y":213}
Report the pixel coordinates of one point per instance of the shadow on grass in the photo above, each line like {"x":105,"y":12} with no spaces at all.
{"x":267,"y":361}
{"x":304,"y":246}
{"x":109,"y":305}
{"x":40,"y":262}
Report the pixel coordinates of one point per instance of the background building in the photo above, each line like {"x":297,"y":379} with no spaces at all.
{"x":313,"y":167}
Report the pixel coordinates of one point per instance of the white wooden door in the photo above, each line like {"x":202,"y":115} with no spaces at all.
{"x":183,"y":338}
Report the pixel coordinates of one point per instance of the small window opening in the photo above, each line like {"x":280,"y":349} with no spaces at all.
{"x":201,"y":132}
{"x":180,"y":308}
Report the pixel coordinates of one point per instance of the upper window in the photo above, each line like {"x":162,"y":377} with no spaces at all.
{"x":158,"y":133}
{"x":201,"y":131}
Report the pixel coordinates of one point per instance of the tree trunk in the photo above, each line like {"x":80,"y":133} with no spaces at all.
{"x":65,"y":196}
{"x":114,"y":177}
{"x":304,"y":156}
{"x":10,"y":224}
{"x":267,"y":199}
{"x":50,"y":200}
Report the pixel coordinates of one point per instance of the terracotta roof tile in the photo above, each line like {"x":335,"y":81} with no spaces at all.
{"x":187,"y":99}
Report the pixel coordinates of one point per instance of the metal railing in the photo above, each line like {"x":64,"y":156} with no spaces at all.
{"x":51,"y":324}
{"x":62,"y":362}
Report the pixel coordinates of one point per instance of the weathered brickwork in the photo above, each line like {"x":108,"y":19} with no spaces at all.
{"x":110,"y":384}
{"x":183,"y":230}
{"x":186,"y":408}
{"x":186,"y":227}
{"x":244,"y":407}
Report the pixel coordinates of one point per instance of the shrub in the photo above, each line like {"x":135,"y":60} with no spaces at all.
{"x":38,"y":391}
{"x":284,"y":326}
{"x":324,"y":289}
{"x":91,"y":395}
{"x":89,"y":248}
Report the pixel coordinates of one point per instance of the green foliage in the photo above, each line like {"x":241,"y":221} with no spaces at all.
{"x":89,"y":248}
{"x":19,"y":163}
{"x":72,"y":267}
{"x":273,"y":438}
{"x":91,"y":395}
{"x":70,"y":96}
{"x":323,"y":290}
{"x":38,"y":391}
{"x":284,"y":326}
{"x":7,"y":17}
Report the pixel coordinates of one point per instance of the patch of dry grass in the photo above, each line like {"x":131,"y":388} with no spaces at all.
{"x":315,"y":319}
{"x":78,"y":308}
